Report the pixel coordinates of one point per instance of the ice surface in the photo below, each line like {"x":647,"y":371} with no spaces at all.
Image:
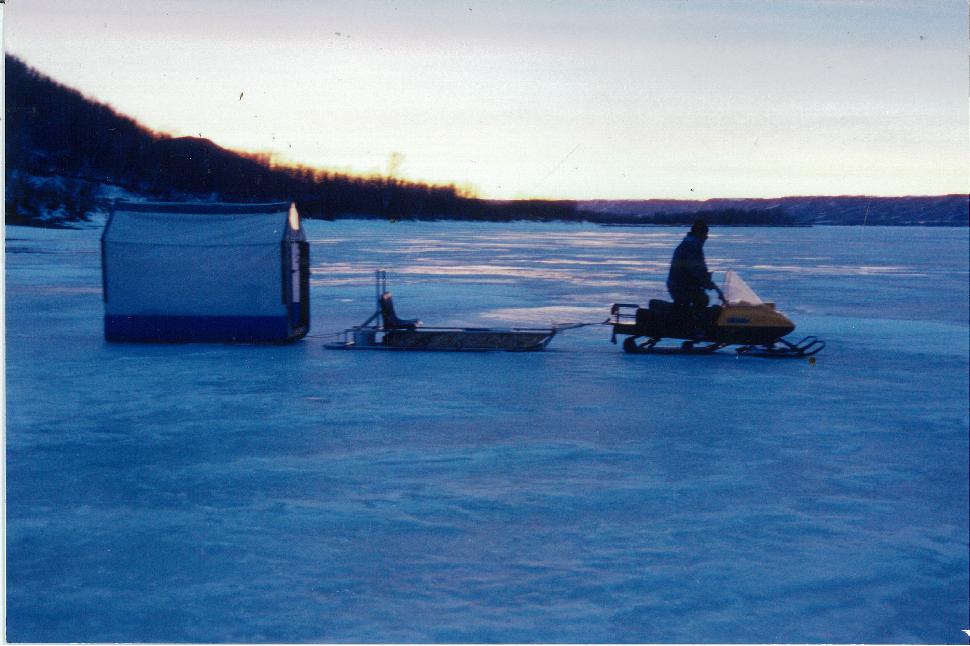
{"x":290,"y":493}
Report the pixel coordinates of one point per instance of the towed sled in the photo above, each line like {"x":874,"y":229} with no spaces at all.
{"x":742,"y":319}
{"x":385,"y":331}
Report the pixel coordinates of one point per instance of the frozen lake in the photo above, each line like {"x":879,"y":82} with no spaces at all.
{"x":173,"y":493}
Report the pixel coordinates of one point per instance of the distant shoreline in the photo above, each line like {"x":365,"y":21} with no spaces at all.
{"x":720,"y":226}
{"x":84,"y":224}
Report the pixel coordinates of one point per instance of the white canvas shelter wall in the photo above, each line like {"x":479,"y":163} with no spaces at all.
{"x":205,"y":272}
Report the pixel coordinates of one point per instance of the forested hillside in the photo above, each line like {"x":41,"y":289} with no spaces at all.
{"x":66,"y":153}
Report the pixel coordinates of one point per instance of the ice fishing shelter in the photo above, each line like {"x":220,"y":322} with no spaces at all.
{"x":205,"y":272}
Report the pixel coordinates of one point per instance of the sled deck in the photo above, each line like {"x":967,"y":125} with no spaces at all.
{"x":447,"y":339}
{"x":384,"y":330}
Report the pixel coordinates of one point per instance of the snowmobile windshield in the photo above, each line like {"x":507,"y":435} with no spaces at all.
{"x":736,"y":291}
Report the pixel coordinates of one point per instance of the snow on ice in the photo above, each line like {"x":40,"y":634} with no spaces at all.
{"x":210,"y":493}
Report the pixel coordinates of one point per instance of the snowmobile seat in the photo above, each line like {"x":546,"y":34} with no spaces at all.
{"x":666,"y":319}
{"x":661,"y":312}
{"x":391,"y":321}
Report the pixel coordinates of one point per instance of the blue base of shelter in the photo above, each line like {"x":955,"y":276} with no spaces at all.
{"x":200,"y":329}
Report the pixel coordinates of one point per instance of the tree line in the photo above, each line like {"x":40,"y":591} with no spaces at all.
{"x":716,"y":217}
{"x":77,"y":144}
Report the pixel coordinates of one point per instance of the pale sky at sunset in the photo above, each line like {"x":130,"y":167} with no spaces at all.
{"x":610,"y":99}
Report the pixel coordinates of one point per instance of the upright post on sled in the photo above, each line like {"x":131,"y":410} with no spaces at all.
{"x":380,"y":281}
{"x":377,"y":294}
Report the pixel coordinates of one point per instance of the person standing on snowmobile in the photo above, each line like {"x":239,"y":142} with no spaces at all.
{"x":689,"y":279}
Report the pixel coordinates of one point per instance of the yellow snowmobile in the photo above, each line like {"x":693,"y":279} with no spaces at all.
{"x":742,"y":319}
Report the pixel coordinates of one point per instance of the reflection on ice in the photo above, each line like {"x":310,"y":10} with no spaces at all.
{"x":552,"y":315}
{"x":843,"y":270}
{"x":489,"y":270}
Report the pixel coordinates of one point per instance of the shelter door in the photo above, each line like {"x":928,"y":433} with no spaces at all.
{"x":295,"y":308}
{"x":295,"y":271}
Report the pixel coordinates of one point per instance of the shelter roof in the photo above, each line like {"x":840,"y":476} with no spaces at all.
{"x":197,"y":224}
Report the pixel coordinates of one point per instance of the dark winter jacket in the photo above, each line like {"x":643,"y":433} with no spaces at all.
{"x":688,"y":269}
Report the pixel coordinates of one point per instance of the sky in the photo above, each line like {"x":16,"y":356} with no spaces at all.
{"x":528,"y":98}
